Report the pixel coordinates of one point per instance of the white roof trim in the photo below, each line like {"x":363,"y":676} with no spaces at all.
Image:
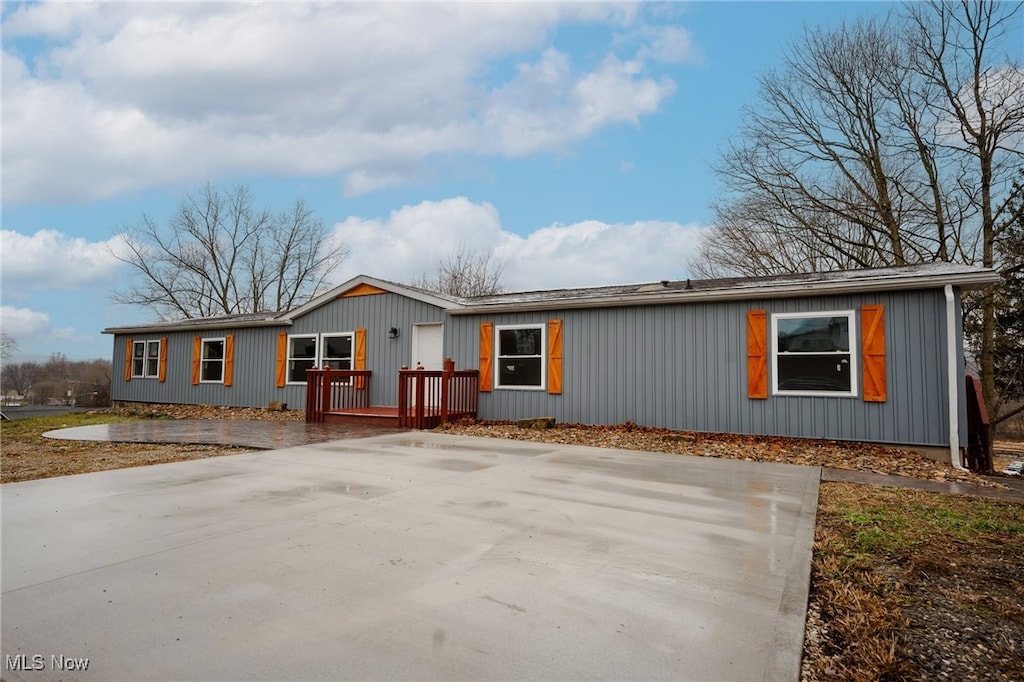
{"x":891,"y":280}
{"x":286,"y":318}
{"x":400,"y":289}
{"x":196,"y":324}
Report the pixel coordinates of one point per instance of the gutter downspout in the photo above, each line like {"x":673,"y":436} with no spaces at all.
{"x":952,"y":380}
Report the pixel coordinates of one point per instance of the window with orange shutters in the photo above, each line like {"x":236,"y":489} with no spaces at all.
{"x":812,"y":353}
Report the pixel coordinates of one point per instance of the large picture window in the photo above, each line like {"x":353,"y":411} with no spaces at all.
{"x":811,"y":353}
{"x":318,"y":350}
{"x":146,"y":359}
{"x":212,"y":364}
{"x":520,"y":356}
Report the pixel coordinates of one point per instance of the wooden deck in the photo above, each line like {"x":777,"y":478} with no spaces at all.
{"x":426,"y":398}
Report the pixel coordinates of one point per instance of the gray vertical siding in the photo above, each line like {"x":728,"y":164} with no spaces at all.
{"x":376,"y":313}
{"x":253,"y":376}
{"x":680,"y":366}
{"x":684,"y":367}
{"x":256,"y":353}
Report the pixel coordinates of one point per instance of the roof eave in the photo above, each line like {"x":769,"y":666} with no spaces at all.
{"x":964,"y":281}
{"x":186,"y":326}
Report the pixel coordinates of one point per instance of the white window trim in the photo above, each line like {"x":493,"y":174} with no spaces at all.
{"x":318,"y":354}
{"x":202,"y":358}
{"x":321,"y":348}
{"x":543,"y":357}
{"x":854,"y":353}
{"x":289,"y":358}
{"x":145,"y":359}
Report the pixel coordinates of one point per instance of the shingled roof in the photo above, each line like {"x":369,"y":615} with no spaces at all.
{"x":931,"y":275}
{"x":925,"y":276}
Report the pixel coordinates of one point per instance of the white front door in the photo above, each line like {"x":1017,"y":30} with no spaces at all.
{"x":428,"y":351}
{"x":428,"y":346}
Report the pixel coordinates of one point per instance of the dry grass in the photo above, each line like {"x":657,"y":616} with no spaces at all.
{"x":904,"y":581}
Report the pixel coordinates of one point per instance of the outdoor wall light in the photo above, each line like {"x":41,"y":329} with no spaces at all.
{"x":393,"y":333}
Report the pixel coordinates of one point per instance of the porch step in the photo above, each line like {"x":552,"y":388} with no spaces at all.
{"x":381,"y":416}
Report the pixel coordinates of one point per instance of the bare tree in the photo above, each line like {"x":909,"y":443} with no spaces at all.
{"x":8,"y":346}
{"x":220,"y":254}
{"x":19,"y":376}
{"x":83,"y":382}
{"x":878,"y":143}
{"x":983,"y":96}
{"x":465,"y":273}
{"x":1009,"y":311}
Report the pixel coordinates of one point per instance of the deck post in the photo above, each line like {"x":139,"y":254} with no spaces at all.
{"x":312,"y":393}
{"x":420,"y":398}
{"x":446,"y":380}
{"x":403,"y":397}
{"x":325,"y":390}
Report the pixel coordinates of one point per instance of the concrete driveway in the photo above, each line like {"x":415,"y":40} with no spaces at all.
{"x":414,"y":556}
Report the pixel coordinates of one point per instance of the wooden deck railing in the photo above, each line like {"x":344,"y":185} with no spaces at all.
{"x":427,"y":398}
{"x":335,"y":390}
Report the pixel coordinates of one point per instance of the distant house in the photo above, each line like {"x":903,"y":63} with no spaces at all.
{"x":869,"y":355}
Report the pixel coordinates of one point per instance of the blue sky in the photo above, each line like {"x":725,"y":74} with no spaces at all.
{"x":574,"y":142}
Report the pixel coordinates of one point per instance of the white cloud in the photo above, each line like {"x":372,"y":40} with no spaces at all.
{"x":23,"y":323}
{"x":36,"y":336}
{"x":668,"y":44}
{"x":593,"y":253}
{"x":53,"y":260}
{"x":139,"y":94}
{"x":414,"y":239}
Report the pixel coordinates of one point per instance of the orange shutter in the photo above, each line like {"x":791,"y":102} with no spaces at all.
{"x":197,"y":350}
{"x":162,"y":374}
{"x":555,"y":356}
{"x":281,"y":374}
{"x":229,"y":358}
{"x":486,"y":353}
{"x":757,"y":354}
{"x":359,"y":357}
{"x":872,"y":348}
{"x":129,"y":348}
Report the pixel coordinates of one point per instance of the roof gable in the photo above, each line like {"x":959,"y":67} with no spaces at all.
{"x":361,"y":290}
{"x":364,"y":285}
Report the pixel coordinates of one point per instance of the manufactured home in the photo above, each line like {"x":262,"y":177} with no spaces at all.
{"x":871,"y":355}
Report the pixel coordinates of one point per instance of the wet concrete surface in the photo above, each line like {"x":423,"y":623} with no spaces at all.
{"x":1014,"y":494}
{"x":259,"y":434}
{"x":412,"y":556}
{"x":268,"y":435}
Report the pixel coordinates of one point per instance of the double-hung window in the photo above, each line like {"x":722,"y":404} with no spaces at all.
{"x":306,"y":351}
{"x":811,"y":353}
{"x":146,"y":359}
{"x":301,"y":356}
{"x":336,"y":351}
{"x":212,"y":363}
{"x":520,"y":356}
